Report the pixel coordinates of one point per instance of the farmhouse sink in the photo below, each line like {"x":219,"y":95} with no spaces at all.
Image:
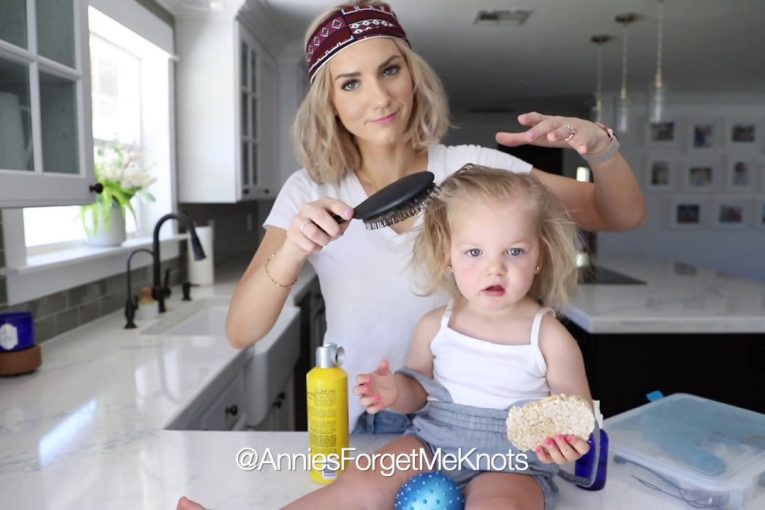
{"x":271,"y":361}
{"x":206,"y":317}
{"x":207,"y":321}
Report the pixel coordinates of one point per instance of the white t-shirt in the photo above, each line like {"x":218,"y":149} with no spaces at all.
{"x":369,"y":290}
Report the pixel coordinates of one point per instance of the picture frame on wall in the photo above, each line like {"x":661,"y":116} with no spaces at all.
{"x":730,"y":213}
{"x":662,"y":134}
{"x":661,"y":173}
{"x":743,"y":133}
{"x":704,"y":134}
{"x":743,"y":174}
{"x":758,"y":213}
{"x":701,"y":175}
{"x":687,"y":212}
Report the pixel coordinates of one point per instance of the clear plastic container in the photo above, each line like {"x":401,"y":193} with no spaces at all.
{"x":699,"y":452}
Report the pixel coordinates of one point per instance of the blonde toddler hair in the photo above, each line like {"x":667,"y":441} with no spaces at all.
{"x":556,"y":280}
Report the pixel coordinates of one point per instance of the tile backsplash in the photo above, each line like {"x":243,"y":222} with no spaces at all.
{"x":61,"y":311}
{"x":237,"y":234}
{"x":237,"y":227}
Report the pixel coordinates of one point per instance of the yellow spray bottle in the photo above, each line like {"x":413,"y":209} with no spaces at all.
{"x":327,"y":395}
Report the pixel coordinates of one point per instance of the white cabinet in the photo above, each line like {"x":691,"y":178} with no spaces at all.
{"x":227,"y":113}
{"x":45,"y":134}
{"x":221,"y":405}
{"x":268,"y":376}
{"x":281,"y":415}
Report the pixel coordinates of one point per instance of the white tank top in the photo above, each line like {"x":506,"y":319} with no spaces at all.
{"x":485,"y":374}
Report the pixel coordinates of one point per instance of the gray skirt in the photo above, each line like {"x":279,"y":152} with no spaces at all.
{"x":465,"y":441}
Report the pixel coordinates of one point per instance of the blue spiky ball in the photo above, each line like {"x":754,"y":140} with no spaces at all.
{"x":430,"y":491}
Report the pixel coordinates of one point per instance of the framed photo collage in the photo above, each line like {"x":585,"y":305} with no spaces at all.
{"x":712,"y":168}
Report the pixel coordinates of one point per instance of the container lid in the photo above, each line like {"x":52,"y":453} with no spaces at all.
{"x":696,"y":440}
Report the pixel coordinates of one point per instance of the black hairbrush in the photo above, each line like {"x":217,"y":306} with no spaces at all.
{"x":395,"y":202}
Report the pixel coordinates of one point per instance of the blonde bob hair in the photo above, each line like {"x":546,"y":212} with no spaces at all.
{"x":328,"y":150}
{"x":556,"y":279}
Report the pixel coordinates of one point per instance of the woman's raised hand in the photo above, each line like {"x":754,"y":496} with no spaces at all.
{"x":314,"y":227}
{"x":378,"y":390}
{"x":583,"y":136}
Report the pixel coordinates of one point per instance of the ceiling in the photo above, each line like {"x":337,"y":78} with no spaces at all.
{"x":710,"y":46}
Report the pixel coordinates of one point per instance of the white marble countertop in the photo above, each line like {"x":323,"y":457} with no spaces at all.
{"x":86,"y":430}
{"x":677,"y":298}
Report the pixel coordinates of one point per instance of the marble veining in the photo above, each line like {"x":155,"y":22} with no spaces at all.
{"x":677,"y":298}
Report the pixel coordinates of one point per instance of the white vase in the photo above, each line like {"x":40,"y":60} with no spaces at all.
{"x":111,"y":235}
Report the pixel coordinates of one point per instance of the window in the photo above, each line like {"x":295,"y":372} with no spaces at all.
{"x":132,"y":105}
{"x":118,"y":57}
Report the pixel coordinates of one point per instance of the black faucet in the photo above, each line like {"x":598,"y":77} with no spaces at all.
{"x":132,"y":303}
{"x":160,"y":291}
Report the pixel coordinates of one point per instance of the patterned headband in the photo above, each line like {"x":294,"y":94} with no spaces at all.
{"x":348,"y":26}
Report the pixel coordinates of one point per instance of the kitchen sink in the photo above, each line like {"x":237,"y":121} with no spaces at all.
{"x":207,"y":321}
{"x":206,"y":317}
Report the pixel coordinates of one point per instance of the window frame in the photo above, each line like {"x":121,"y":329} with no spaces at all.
{"x":56,"y":268}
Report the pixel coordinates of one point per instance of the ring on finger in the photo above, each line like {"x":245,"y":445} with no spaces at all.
{"x":303,"y":225}
{"x":571,"y":132}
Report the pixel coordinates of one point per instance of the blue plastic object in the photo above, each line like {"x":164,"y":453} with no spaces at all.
{"x":584,"y":466}
{"x":17,"y":331}
{"x":430,"y":491}
{"x":654,"y":396}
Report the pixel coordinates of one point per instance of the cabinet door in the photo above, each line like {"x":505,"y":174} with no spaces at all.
{"x":258,"y":110}
{"x":45,"y":136}
{"x":281,"y":414}
{"x":227,"y":410}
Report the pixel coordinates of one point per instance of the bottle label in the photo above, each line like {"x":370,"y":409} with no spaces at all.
{"x":322,"y":427}
{"x":9,"y":336}
{"x":327,"y":423}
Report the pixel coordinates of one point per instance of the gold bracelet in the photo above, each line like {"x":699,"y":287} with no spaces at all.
{"x":272,"y":278}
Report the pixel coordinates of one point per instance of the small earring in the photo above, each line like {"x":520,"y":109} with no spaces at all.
{"x":539,"y":268}
{"x":449,"y":267}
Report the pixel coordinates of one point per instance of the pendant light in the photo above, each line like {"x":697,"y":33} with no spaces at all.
{"x":656,"y":96}
{"x":623,"y":105}
{"x":597,"y":109}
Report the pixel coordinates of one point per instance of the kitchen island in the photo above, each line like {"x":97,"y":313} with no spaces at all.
{"x":88,"y":430}
{"x":683,"y":329}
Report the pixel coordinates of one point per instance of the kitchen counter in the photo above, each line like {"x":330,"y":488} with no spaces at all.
{"x":87,"y":430}
{"x":676,"y":298}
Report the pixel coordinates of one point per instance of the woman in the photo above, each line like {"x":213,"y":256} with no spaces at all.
{"x":374,"y":113}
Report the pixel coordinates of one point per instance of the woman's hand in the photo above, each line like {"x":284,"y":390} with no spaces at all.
{"x":314,"y":227}
{"x":561,"y":449}
{"x":583,"y":136}
{"x":377,"y":390}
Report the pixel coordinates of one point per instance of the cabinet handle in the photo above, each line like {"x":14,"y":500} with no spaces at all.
{"x":233,"y":410}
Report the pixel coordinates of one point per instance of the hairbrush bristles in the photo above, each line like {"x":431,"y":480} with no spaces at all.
{"x":411,"y":207}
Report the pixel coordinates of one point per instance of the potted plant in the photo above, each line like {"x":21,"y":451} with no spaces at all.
{"x":121,"y":179}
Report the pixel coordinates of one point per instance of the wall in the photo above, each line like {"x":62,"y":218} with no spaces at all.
{"x":735,"y":250}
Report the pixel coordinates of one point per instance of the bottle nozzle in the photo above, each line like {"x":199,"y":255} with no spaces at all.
{"x":329,"y":356}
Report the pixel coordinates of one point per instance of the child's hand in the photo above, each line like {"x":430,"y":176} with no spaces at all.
{"x":561,"y":449}
{"x":377,"y":390}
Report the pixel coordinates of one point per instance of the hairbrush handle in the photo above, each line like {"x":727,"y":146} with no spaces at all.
{"x":339,"y":219}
